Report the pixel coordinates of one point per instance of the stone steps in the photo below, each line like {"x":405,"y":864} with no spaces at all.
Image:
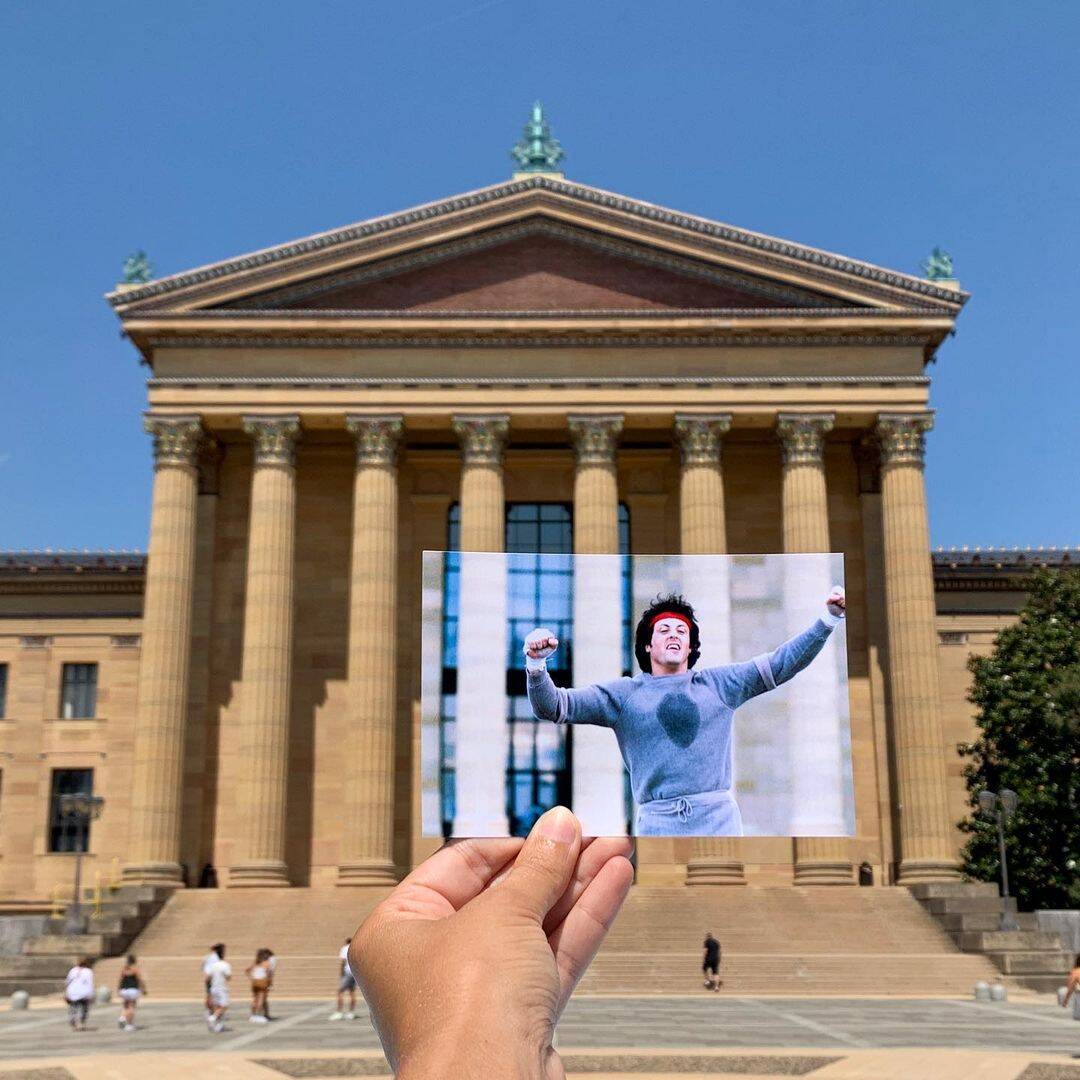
{"x":813,"y":939}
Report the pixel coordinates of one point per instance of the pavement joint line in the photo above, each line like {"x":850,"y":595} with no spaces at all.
{"x":982,"y":1006}
{"x":28,"y":1024}
{"x":813,"y":1025}
{"x":268,"y":1029}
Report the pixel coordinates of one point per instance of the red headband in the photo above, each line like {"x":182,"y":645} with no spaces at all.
{"x":669,"y":615}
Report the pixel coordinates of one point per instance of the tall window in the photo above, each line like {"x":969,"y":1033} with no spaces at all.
{"x":78,"y":691}
{"x":539,"y":543}
{"x":66,"y":834}
{"x":3,"y":690}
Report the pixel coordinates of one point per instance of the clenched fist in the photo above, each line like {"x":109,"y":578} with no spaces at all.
{"x":540,"y":643}
{"x":836,"y":602}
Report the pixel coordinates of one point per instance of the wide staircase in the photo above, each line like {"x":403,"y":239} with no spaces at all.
{"x":775,"y":940}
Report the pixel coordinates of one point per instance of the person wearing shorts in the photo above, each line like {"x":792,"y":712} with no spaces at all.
{"x":131,"y":988}
{"x":220,"y":974}
{"x":209,"y":960}
{"x":79,"y":993}
{"x":259,"y":973}
{"x":1072,"y":990}
{"x":346,"y":985}
{"x":710,"y":965}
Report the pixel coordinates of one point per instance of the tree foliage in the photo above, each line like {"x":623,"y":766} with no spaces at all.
{"x":1028,"y":697}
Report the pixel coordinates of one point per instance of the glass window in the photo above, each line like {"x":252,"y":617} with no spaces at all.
{"x":78,"y":691}
{"x":65,"y":833}
{"x":3,"y":689}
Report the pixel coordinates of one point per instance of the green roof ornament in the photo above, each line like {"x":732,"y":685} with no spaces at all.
{"x":938,"y":266}
{"x":137,"y":269}
{"x":538,"y":151}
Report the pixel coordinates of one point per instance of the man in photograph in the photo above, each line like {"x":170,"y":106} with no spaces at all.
{"x":674,"y":724}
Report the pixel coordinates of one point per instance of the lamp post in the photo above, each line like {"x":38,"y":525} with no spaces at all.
{"x":1002,"y":805}
{"x":80,"y":809}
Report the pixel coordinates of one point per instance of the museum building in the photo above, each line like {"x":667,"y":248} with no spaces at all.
{"x":538,"y":365}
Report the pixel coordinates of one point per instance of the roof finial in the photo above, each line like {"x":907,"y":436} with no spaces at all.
{"x":538,"y":151}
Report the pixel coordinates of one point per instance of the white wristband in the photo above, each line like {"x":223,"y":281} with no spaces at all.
{"x":535,"y":663}
{"x":829,"y":619}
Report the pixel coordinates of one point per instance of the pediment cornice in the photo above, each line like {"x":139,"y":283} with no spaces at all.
{"x":667,"y":231}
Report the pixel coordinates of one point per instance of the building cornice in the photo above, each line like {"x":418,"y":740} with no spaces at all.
{"x":769,"y":249}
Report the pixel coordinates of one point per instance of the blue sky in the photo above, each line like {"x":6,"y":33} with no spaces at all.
{"x":201,"y":131}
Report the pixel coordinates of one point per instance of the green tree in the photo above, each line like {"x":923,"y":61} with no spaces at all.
{"x":1028,"y":696}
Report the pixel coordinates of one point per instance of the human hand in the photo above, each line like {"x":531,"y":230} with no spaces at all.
{"x":836,"y":602}
{"x":540,"y":643}
{"x":470,"y":961}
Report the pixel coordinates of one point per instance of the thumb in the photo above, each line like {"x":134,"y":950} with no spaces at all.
{"x":544,"y":866}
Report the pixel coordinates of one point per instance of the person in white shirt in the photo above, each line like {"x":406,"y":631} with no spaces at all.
{"x":209,"y":960}
{"x":346,"y":985}
{"x":220,"y":974}
{"x":79,"y":993}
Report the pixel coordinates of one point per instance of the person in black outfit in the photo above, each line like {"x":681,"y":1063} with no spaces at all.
{"x":711,"y":964}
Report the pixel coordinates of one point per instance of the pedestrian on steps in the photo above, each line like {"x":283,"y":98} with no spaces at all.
{"x":259,"y":973}
{"x":79,"y":992}
{"x":711,"y":964}
{"x":131,"y":988}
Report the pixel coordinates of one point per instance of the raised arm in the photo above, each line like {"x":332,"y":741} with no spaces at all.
{"x":598,"y":704}
{"x":737,"y":683}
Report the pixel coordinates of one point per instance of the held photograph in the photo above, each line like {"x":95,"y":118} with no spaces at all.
{"x":655,"y":695}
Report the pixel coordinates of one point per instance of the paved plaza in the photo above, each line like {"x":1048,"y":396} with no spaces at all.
{"x":826,"y":1037}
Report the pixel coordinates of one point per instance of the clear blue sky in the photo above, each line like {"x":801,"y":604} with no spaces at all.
{"x":204,"y":130}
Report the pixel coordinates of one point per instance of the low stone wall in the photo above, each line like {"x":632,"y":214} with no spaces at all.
{"x":1065,"y":923}
{"x":15,"y":929}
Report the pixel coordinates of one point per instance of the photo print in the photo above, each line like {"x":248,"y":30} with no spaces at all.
{"x":655,"y":695}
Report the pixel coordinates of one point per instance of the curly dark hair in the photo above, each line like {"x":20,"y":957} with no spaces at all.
{"x":643,"y":634}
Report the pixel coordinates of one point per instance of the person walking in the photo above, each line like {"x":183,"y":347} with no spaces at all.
{"x":1072,"y":991}
{"x":79,"y":992}
{"x":131,"y":988}
{"x":219,"y":976}
{"x":259,"y":973}
{"x":216,"y":953}
{"x":711,"y":964}
{"x":346,"y":985}
{"x":271,"y":971}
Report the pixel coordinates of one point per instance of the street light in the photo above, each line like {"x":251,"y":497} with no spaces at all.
{"x":80,"y":809}
{"x":1003,"y":806}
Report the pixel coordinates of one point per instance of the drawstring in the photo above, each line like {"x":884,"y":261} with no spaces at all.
{"x":683,"y":807}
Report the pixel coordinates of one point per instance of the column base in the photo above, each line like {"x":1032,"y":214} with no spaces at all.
{"x":824,"y":873}
{"x":919,"y":871}
{"x":715,"y":872}
{"x":368,"y":872}
{"x":167,"y":874}
{"x":259,"y":875}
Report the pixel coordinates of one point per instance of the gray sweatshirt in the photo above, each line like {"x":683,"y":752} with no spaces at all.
{"x":674,"y":731}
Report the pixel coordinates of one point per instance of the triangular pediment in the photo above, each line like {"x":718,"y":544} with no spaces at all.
{"x":535,"y":265}
{"x":538,"y":244}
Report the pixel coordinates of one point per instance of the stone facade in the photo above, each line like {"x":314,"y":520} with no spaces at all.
{"x":318,"y":408}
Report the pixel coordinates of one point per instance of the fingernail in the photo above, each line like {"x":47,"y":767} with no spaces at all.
{"x":558,"y":825}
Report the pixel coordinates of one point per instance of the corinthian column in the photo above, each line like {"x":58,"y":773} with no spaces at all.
{"x":703,"y":529}
{"x":266,"y":670}
{"x":597,"y":780}
{"x":157,"y":788}
{"x":817,"y":775}
{"x":482,"y":733}
{"x":368,"y":842}
{"x":926,"y":846}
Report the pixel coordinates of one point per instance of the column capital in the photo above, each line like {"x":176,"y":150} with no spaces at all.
{"x":176,"y":439}
{"x":595,"y":438}
{"x":802,"y":436}
{"x":275,"y":438}
{"x":902,"y":438}
{"x":377,"y":438}
{"x":699,"y":437}
{"x":483,"y":438}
